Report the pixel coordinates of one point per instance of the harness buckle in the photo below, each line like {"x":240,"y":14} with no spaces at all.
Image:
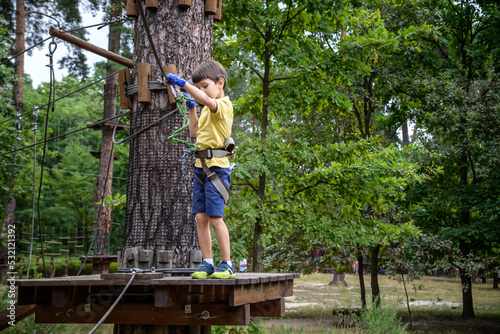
{"x":212,"y":176}
{"x":210,"y":153}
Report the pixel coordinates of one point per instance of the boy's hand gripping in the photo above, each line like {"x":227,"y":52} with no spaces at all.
{"x":190,"y":104}
{"x":174,"y":80}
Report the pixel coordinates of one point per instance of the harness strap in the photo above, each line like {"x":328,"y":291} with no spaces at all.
{"x":212,"y":153}
{"x":215,"y":179}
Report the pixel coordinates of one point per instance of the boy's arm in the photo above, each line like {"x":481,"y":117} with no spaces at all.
{"x":200,"y":97}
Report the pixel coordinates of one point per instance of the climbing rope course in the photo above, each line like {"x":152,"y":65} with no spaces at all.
{"x":180,"y":101}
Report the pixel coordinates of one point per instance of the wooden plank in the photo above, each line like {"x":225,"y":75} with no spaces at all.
{"x":255,"y":293}
{"x":152,"y":4}
{"x":184,"y":3}
{"x":132,"y":10}
{"x":21,"y":312}
{"x":218,"y":12}
{"x":26,"y":295}
{"x":143,"y":76}
{"x":270,"y":308}
{"x":58,"y":296}
{"x":170,"y":68}
{"x":148,"y":314}
{"x":124,"y":80}
{"x":127,"y":276}
{"x":210,"y":7}
{"x":241,"y":279}
{"x":161,"y":296}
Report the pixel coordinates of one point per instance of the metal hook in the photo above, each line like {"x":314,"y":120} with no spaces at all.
{"x":52,"y":43}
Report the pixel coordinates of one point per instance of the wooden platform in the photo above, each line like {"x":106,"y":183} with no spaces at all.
{"x":155,"y":300}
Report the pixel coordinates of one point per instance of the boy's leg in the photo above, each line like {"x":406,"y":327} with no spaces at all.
{"x":204,"y":236}
{"x":222,"y":235}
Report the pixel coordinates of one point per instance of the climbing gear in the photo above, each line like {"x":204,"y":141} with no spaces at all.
{"x":205,"y":270}
{"x":174,"y":80}
{"x":224,"y":270}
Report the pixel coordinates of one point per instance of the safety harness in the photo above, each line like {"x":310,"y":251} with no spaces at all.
{"x":212,"y":176}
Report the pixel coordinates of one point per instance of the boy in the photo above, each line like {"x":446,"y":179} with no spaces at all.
{"x":211,"y":130}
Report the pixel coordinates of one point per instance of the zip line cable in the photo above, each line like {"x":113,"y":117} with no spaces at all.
{"x":28,"y":49}
{"x":64,"y":96}
{"x":66,"y":171}
{"x":148,"y":33}
{"x":134,"y":272}
{"x":52,"y":93}
{"x":35,"y":114}
{"x":63,"y":135}
{"x":101,"y":25}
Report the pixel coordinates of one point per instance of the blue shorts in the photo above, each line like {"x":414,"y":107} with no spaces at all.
{"x":206,"y":198}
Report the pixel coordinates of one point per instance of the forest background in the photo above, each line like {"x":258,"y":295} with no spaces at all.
{"x":325,"y":95}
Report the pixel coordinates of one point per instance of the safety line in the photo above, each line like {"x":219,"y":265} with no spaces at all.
{"x":65,"y":171}
{"x":114,"y":304}
{"x":35,"y":114}
{"x":62,"y":97}
{"x":63,"y":135}
{"x":148,"y":33}
{"x":118,"y":19}
{"x":20,"y":53}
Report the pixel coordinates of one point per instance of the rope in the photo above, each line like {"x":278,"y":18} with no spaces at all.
{"x":63,"y":135}
{"x":146,"y":27}
{"x":180,"y":100}
{"x":184,"y":161}
{"x":140,"y":131}
{"x":35,"y":114}
{"x":62,"y":97}
{"x":114,"y":304}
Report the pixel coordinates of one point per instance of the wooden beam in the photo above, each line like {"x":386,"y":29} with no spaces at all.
{"x":170,"y":68}
{"x":148,"y":314}
{"x":143,"y":76}
{"x":91,"y":47}
{"x":124,"y":80}
{"x":255,"y":293}
{"x":21,"y":312}
{"x":268,"y":309}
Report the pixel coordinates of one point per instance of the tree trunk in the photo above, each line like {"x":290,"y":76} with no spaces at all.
{"x":103,"y":185}
{"x":17,"y":90}
{"x":261,"y":190}
{"x":374,"y":275}
{"x":361,"y":280}
{"x":406,"y":136}
{"x":465,"y":276}
{"x":495,"y":280}
{"x":158,"y":215}
{"x":158,"y":212}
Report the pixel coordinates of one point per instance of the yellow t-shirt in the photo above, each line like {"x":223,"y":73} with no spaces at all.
{"x":214,"y":129}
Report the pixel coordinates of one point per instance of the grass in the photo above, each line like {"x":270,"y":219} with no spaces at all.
{"x":314,"y":299}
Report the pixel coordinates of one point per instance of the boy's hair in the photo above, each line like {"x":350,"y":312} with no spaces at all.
{"x":212,"y":70}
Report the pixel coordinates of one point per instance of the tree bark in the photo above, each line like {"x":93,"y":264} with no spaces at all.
{"x":103,"y":185}
{"x":495,"y":280}
{"x":17,"y":90}
{"x":374,"y":275}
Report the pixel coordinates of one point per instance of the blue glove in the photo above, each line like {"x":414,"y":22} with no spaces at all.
{"x":174,"y":80}
{"x":189,"y":104}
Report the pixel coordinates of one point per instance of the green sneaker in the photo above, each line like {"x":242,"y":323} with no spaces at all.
{"x":205,"y":270}
{"x":224,"y":271}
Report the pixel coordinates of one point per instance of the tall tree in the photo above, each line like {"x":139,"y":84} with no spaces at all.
{"x":454,"y":81}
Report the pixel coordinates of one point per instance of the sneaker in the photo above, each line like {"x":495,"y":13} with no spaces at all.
{"x":205,"y":270}
{"x":224,"y":271}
